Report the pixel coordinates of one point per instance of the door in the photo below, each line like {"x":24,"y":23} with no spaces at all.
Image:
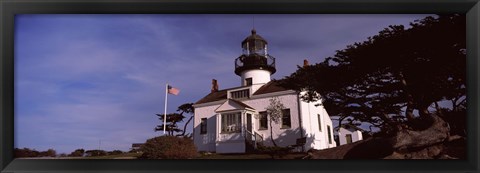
{"x":348,"y":138}
{"x":249,"y":122}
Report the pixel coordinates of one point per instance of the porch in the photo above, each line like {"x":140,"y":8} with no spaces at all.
{"x":235,"y":128}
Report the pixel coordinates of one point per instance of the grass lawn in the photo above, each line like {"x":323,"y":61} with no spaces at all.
{"x":204,"y":156}
{"x":250,"y":156}
{"x":119,"y":156}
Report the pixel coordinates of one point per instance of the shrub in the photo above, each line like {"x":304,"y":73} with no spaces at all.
{"x":115,"y":152}
{"x":26,"y":152}
{"x":77,"y":153}
{"x":169,"y":147}
{"x":91,"y":153}
{"x":48,"y":153}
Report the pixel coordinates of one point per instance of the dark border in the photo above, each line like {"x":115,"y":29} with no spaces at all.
{"x":8,"y":9}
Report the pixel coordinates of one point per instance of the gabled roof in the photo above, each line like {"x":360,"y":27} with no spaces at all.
{"x":214,"y":96}
{"x":270,"y":87}
{"x":232,"y":104}
{"x":241,"y":104}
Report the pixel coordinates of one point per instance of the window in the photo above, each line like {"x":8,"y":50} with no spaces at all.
{"x":240,"y":94}
{"x":203,"y":126}
{"x":329,"y":135}
{"x":248,"y":81}
{"x":231,"y":123}
{"x":286,"y":121}
{"x":348,"y":137}
{"x":319,"y":122}
{"x":263,"y":121}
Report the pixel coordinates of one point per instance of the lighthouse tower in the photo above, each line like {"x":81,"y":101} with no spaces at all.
{"x":255,"y":65}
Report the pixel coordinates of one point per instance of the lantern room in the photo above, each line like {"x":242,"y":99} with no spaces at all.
{"x":255,"y":60}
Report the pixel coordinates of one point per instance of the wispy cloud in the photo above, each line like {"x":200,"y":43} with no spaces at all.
{"x":89,"y":81}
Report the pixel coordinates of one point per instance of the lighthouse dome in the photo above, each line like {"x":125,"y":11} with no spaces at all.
{"x":255,"y":55}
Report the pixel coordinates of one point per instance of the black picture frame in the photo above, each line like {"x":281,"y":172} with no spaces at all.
{"x":9,"y":8}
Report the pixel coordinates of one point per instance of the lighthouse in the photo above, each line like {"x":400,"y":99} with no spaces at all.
{"x":235,"y":120}
{"x":255,"y":65}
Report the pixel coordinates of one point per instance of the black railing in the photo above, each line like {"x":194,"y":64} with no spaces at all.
{"x":253,"y":137}
{"x":254,"y":61}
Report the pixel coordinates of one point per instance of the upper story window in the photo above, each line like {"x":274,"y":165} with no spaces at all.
{"x":240,"y":94}
{"x":248,"y":81}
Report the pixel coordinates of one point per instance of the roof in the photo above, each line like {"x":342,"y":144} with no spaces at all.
{"x":350,"y":127}
{"x":241,"y":104}
{"x":270,"y":87}
{"x":232,"y":104}
{"x":213,"y":96}
{"x":253,"y":37}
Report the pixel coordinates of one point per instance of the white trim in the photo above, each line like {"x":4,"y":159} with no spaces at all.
{"x":279,"y":93}
{"x":209,"y":103}
{"x":230,"y":100}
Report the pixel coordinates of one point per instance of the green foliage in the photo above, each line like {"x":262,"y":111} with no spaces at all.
{"x":27,"y":152}
{"x":93,"y":153}
{"x":173,"y":118}
{"x":115,"y":152}
{"x":275,"y":109}
{"x":169,"y":147}
{"x":275,"y":113}
{"x":48,"y":153}
{"x":384,"y":79}
{"x":77,"y":153}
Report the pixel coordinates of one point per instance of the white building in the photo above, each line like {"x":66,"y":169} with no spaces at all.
{"x":230,"y":120}
{"x":349,"y":133}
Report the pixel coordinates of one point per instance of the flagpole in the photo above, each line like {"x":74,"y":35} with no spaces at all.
{"x":165,"y":114}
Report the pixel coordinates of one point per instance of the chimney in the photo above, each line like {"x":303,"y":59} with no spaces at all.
{"x":305,"y":63}
{"x":214,"y":86}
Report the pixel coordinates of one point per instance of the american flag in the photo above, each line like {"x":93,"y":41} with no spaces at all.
{"x":172,"y":90}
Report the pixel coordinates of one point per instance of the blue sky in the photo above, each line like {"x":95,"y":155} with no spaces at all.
{"x":90,"y":81}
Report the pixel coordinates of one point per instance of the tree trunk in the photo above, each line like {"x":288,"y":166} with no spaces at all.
{"x":185,"y":126}
{"x":409,"y":110}
{"x":409,"y":139}
{"x":271,"y":134}
{"x":410,"y":102}
{"x":406,"y":144}
{"x":423,"y":107}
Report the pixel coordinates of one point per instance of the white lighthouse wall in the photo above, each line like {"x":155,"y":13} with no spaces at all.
{"x":283,"y":136}
{"x":317,"y":137}
{"x":205,"y":142}
{"x":258,"y":76}
{"x":342,"y":133}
